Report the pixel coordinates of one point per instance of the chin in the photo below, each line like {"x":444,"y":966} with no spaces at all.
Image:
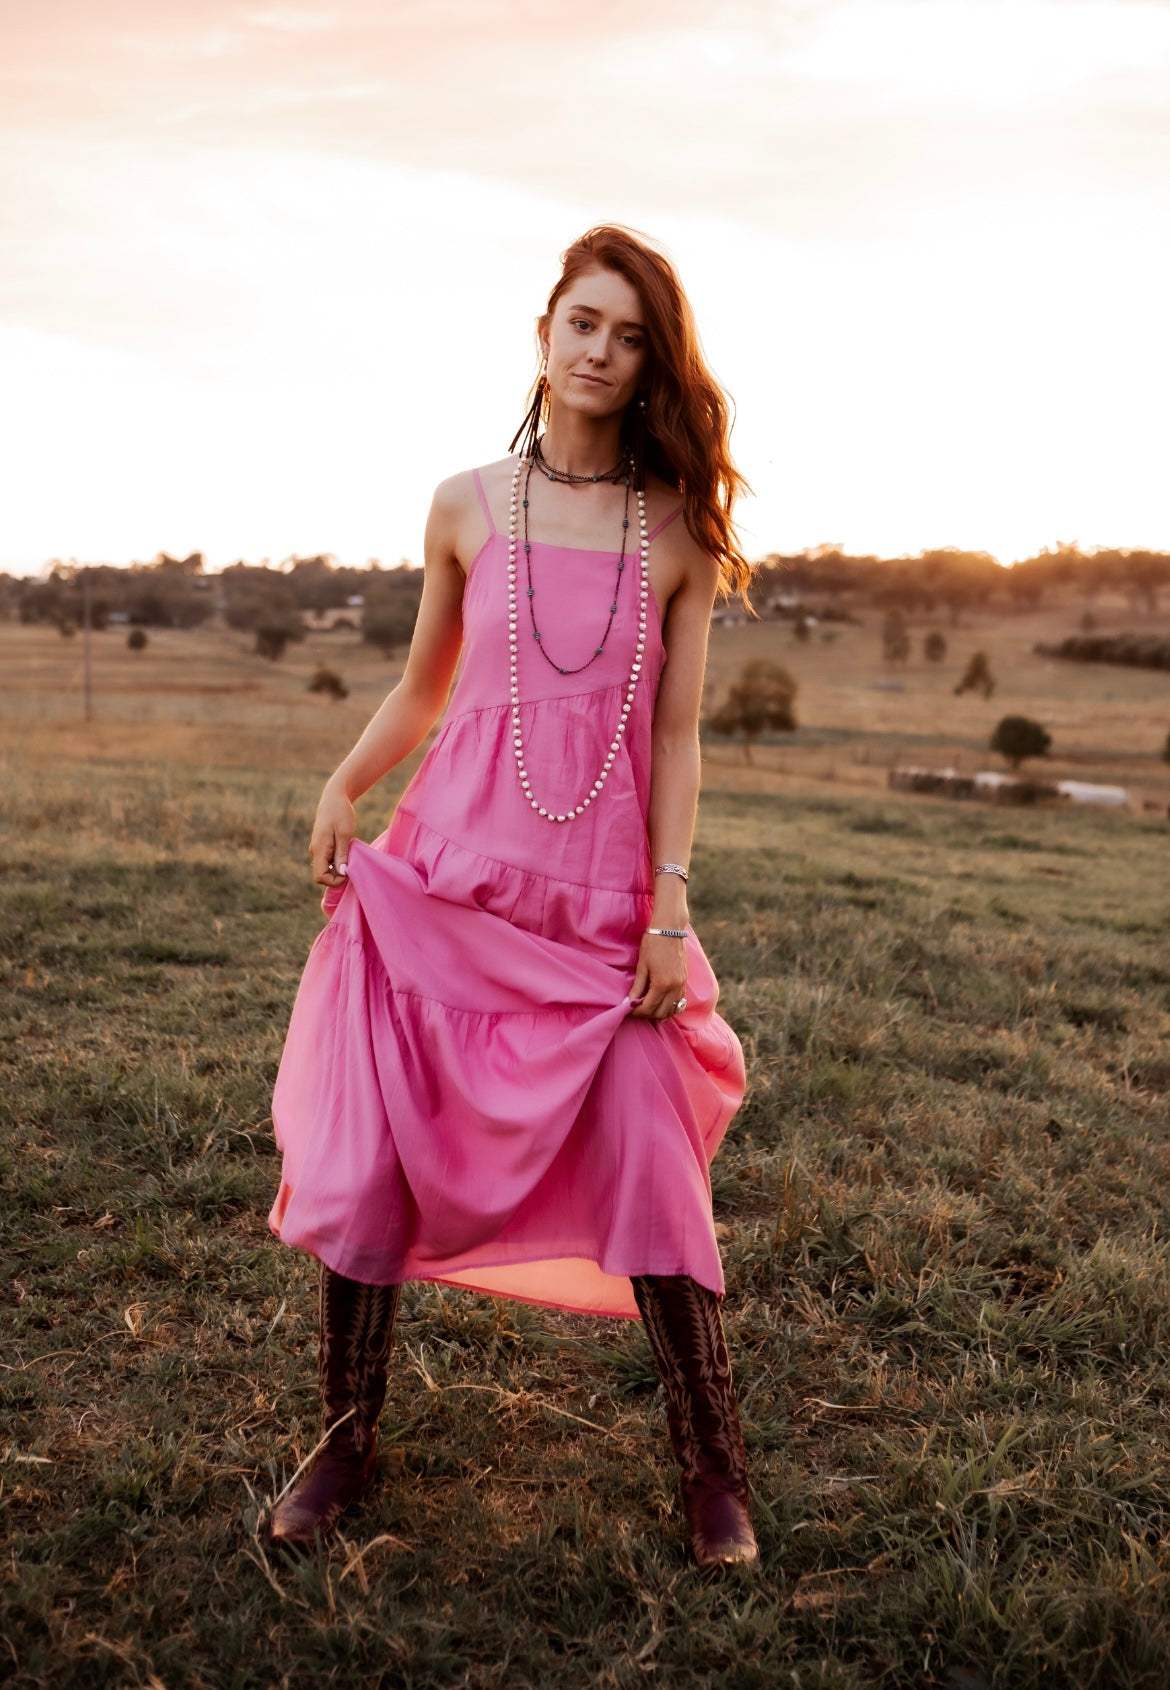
{"x":599,"y":405}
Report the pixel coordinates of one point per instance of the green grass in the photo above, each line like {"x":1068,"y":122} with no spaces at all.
{"x":944,"y":1219}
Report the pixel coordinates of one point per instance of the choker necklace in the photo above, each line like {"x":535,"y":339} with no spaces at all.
{"x":542,"y":463}
{"x":531,"y":592}
{"x":578,"y":809}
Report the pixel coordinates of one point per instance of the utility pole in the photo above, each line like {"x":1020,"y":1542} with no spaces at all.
{"x":87,"y":643}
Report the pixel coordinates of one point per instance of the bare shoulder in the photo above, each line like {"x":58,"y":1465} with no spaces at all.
{"x":454,"y":495}
{"x":457,"y":524}
{"x":679,"y":562}
{"x":496,"y":479}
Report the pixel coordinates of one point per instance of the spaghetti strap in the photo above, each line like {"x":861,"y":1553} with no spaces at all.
{"x":487,"y":510}
{"x":665,"y":523}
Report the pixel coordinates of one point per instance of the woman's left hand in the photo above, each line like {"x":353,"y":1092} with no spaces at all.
{"x":660,"y":981}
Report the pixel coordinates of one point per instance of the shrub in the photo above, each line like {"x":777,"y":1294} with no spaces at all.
{"x":136,"y":639}
{"x":977,"y":676}
{"x":1166,"y":750}
{"x":329,"y":682}
{"x":802,"y":629}
{"x":760,"y":701}
{"x":1018,"y":737}
{"x":934,"y":646}
{"x":1137,"y":651}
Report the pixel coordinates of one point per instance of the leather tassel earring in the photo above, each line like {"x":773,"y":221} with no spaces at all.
{"x":529,"y":429}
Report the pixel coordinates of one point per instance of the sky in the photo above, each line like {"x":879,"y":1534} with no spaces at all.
{"x":270,"y":272}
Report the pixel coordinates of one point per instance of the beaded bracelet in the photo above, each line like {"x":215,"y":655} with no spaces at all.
{"x":673,"y":868}
{"x":668,"y":932}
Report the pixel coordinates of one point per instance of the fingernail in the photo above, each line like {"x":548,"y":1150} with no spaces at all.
{"x":637,"y":1000}
{"x":342,"y":868}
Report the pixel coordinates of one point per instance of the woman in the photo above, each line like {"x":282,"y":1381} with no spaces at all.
{"x":504,"y":1069}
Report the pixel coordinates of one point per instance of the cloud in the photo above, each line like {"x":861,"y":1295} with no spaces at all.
{"x":808,"y":117}
{"x":236,"y":204}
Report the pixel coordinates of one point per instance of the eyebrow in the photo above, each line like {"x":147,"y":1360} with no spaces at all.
{"x":595,"y":312}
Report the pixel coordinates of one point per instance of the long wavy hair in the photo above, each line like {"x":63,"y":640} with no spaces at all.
{"x":681,"y":431}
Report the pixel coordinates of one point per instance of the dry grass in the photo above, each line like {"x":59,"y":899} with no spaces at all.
{"x":1107,"y":723}
{"x":944,"y":1219}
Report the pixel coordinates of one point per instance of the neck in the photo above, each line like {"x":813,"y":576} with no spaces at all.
{"x":579,"y":445}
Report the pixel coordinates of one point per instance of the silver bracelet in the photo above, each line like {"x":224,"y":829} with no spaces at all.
{"x":673,"y":868}
{"x":668,"y":932}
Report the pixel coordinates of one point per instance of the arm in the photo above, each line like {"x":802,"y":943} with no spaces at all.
{"x":661,"y":974}
{"x":411,"y":709}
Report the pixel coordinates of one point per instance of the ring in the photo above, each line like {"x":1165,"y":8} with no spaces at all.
{"x":680,"y":1005}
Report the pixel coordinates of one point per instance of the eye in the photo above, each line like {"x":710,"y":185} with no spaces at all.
{"x":581,"y":323}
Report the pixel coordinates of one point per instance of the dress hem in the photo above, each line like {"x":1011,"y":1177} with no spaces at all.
{"x":454,"y":1284}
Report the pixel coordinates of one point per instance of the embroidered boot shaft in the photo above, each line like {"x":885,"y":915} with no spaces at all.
{"x":685,"y":1332}
{"x":356,"y":1329}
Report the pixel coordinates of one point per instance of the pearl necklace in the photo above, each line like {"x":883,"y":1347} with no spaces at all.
{"x":574,"y":810}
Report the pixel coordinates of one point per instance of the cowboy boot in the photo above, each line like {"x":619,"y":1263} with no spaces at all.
{"x":686,"y":1337}
{"x":357,"y":1324}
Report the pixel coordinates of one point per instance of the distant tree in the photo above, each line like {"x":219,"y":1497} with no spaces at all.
{"x":977,"y":676}
{"x":388,"y":622}
{"x":957,"y":578}
{"x":761,"y":701}
{"x":275,"y":633}
{"x":898,"y":585}
{"x":1017,"y":737}
{"x":136,"y":639}
{"x":254,"y":594}
{"x":802,"y":629}
{"x":329,"y":682}
{"x":895,"y":637}
{"x":934,"y":646}
{"x":314,"y":582}
{"x":1145,"y":573}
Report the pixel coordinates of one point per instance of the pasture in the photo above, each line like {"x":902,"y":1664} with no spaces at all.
{"x":943,"y":1211}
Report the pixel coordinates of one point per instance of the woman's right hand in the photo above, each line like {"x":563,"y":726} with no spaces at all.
{"x":333,"y":829}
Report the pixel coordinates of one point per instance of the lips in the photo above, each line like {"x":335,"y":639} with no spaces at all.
{"x":594,"y":381}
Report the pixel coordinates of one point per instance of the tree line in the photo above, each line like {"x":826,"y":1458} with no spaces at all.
{"x":173,"y":592}
{"x":955,"y":580}
{"x":269,"y":602}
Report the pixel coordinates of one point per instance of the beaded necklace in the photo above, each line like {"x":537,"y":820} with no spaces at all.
{"x":574,"y":810}
{"x":546,"y":468}
{"x":530,"y":593}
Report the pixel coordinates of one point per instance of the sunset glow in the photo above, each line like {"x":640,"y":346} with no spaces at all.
{"x":270,"y":273}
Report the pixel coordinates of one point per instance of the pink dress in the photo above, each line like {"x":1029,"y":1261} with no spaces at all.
{"x":463,"y":1094}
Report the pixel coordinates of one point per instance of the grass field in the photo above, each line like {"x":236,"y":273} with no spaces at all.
{"x":943,"y":1209}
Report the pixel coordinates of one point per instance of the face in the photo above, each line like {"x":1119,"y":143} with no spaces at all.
{"x":596,"y":344}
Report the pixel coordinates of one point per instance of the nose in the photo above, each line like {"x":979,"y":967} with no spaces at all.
{"x":599,"y":347}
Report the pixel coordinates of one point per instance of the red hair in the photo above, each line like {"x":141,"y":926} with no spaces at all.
{"x":688,"y":416}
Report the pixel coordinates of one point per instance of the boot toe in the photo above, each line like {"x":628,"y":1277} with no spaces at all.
{"x":721,"y":1533}
{"x":291,"y":1526}
{"x":314,"y":1506}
